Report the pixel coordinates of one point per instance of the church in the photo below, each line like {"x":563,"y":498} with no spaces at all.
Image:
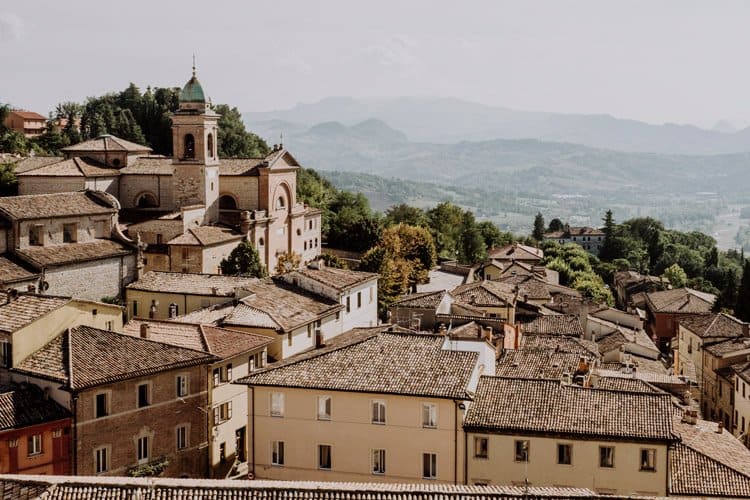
{"x":189,"y":211}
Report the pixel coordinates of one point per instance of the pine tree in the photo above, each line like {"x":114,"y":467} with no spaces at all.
{"x":742,"y":307}
{"x":608,"y":245}
{"x":727,"y":300}
{"x":538,"y":233}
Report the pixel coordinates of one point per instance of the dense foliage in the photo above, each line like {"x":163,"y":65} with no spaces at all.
{"x":243,"y":261}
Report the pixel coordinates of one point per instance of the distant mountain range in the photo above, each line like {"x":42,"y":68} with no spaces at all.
{"x":446,"y":120}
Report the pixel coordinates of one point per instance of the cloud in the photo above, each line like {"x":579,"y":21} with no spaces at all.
{"x":395,"y":51}
{"x":11,"y":27}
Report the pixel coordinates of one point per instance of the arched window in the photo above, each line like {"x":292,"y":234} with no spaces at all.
{"x":211,"y":145}
{"x":227,"y":202}
{"x":280,"y":203}
{"x":189,"y":146}
{"x":146,"y":200}
{"x":260,"y":242}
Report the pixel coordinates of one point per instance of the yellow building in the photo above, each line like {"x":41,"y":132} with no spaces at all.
{"x":371,"y":406}
{"x":547,"y":433}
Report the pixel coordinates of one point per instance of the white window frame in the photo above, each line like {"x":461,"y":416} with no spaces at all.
{"x":651,"y":452}
{"x":6,"y":354}
{"x":34,"y":444}
{"x":182,"y":437}
{"x":477,"y":447}
{"x":378,"y":461}
{"x":276,"y":408}
{"x":378,"y":417}
{"x":321,"y":447}
{"x":324,"y":407}
{"x":142,"y":449}
{"x":429,"y":416}
{"x":432,"y":465}
{"x":277,"y":453}
{"x":182,"y":385}
{"x":101,"y":459}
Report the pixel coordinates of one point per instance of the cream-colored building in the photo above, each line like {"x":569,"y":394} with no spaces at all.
{"x":547,"y":433}
{"x":370,"y":406}
{"x":29,"y":321}
{"x":239,"y":353}
{"x":256,"y":198}
{"x":494,"y":299}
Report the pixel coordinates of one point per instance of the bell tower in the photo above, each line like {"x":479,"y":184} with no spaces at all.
{"x":195,"y":159}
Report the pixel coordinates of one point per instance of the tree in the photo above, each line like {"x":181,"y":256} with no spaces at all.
{"x":727,"y":299}
{"x":607,"y":251}
{"x":288,"y":261}
{"x":742,"y":307}
{"x":405,"y":214}
{"x":471,"y":247}
{"x":492,"y":235}
{"x":676,"y":276}
{"x":538,"y":233}
{"x":234,"y":140}
{"x":445,"y":222}
{"x":243,"y":260}
{"x":8,"y":180}
{"x":352,"y":225}
{"x":555,"y":225}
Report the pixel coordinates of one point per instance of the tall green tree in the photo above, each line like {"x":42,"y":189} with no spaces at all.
{"x":742,"y":307}
{"x":234,"y":140}
{"x":405,"y":214}
{"x":243,"y":261}
{"x":676,"y":276}
{"x":538,"y":232}
{"x":492,"y":235}
{"x":472,"y":248}
{"x":607,"y":251}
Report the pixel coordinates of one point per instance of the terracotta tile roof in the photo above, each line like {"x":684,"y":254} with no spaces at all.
{"x":240,"y":166}
{"x":626,"y":385}
{"x":614,"y":370}
{"x":209,"y":316}
{"x":25,"y":309}
{"x":708,"y":463}
{"x":67,"y":253}
{"x":515,"y":251}
{"x":273,"y":302}
{"x":680,"y":300}
{"x":529,"y":286}
{"x":73,"y":167}
{"x":484,"y":293}
{"x":84,"y":357}
{"x":338,"y":279}
{"x":42,"y":206}
{"x":34,"y":162}
{"x":27,"y":487}
{"x":554,"y":324}
{"x":106,"y":142}
{"x":728,"y":347}
{"x":541,"y":364}
{"x":393,"y":363}
{"x":22,"y":405}
{"x":28,"y":115}
{"x":11,"y":272}
{"x":222,"y":342}
{"x":622,"y":336}
{"x":549,"y":407}
{"x":206,"y":236}
{"x":742,"y":370}
{"x":191,"y":283}
{"x":559,"y":343}
{"x":713,"y":325}
{"x":149,"y":165}
{"x":423,"y":300}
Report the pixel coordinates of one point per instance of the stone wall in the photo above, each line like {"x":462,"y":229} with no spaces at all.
{"x":93,"y":279}
{"x":160,"y":186}
{"x":46,"y":185}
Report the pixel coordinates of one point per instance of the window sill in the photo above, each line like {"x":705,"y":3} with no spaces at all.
{"x":378,"y":423}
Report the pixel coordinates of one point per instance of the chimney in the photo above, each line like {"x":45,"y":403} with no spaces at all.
{"x":319,"y":342}
{"x":214,"y":290}
{"x":487,"y":333}
{"x":720,"y":428}
{"x":145,"y":330}
{"x":31,"y":288}
{"x":12,"y":294}
{"x":442,"y":329}
{"x":245,"y":222}
{"x":745,"y":329}
{"x":690,"y":416}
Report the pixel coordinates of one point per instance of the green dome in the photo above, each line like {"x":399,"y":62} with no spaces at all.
{"x":192,"y":91}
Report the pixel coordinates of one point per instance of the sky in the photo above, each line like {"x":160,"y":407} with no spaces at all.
{"x":676,"y":61}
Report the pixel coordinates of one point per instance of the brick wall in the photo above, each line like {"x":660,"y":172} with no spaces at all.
{"x":44,"y":185}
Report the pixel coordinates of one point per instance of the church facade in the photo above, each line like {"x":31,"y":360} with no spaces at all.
{"x":191,"y":209}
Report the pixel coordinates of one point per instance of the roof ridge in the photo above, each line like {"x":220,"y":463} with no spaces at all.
{"x":716,"y":461}
{"x":136,"y":339}
{"x":204,"y":340}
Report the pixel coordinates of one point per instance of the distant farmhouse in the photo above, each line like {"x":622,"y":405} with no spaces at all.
{"x":589,"y":238}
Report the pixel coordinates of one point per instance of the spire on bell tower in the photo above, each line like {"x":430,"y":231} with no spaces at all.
{"x":193,"y":64}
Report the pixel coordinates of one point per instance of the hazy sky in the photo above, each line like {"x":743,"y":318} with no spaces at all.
{"x":658,"y":61}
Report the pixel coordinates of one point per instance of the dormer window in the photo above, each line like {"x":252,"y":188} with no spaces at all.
{"x":189,"y":146}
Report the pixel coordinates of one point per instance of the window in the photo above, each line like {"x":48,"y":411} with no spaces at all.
{"x":6,"y":354}
{"x":359,"y":300}
{"x":429,"y":465}
{"x":223,"y":452}
{"x":257,"y":360}
{"x":277,"y":404}
{"x":210,"y":145}
{"x":378,"y":461}
{"x":189,"y":151}
{"x":277,"y":452}
{"x":606,"y":456}
{"x":378,"y":412}
{"x":564,"y":454}
{"x":222,"y":413}
{"x":135,"y":308}
{"x":222,"y":374}
{"x":35,"y":445}
{"x":429,"y":415}
{"x":110,"y":325}
{"x":101,"y":460}
{"x":280,"y":202}
{"x":521,"y":451}
{"x":648,"y":459}
{"x":181,"y":386}
{"x":309,"y":330}
{"x":324,"y":407}
{"x":324,"y":456}
{"x":182,"y":437}
{"x":481,"y":447}
{"x":69,"y":233}
{"x":289,"y":338}
{"x":371,"y":293}
{"x":144,"y":395}
{"x":101,"y":405}
{"x":348,"y":304}
{"x":185,"y":254}
{"x":36,"y":235}
{"x":690,"y":346}
{"x":159,"y":239}
{"x":142,"y":449}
